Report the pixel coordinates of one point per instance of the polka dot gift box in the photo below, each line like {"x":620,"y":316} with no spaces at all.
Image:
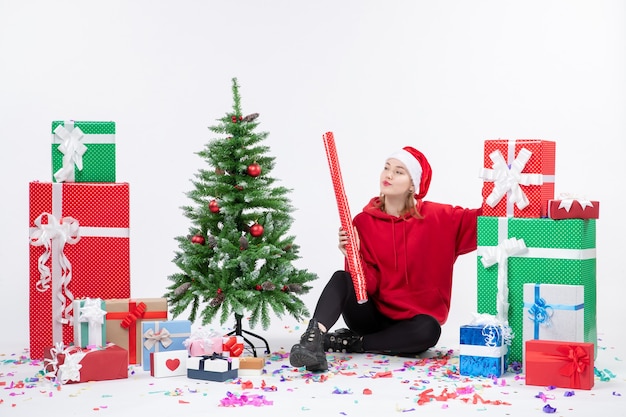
{"x":79,"y":248}
{"x":557,"y":252}
{"x":83,"y":151}
{"x":518,"y":177}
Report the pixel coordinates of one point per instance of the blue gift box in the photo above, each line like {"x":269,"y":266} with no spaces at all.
{"x":163,"y":336}
{"x":212,"y":367}
{"x":483,"y":351}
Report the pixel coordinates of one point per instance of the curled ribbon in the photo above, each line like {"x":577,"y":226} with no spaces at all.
{"x":72,"y":148}
{"x":64,"y":231}
{"x":568,"y":199}
{"x":509,"y":179}
{"x":500,"y":255}
{"x":152,"y":338}
{"x":540,"y":312}
{"x":493,"y":329}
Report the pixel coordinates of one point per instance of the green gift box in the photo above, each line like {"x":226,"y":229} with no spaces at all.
{"x":557,"y":252}
{"x":83,"y":151}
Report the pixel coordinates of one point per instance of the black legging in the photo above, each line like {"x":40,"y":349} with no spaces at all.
{"x":380,"y":333}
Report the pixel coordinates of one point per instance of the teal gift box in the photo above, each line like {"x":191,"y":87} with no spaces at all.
{"x":163,"y":336}
{"x":83,"y":151}
{"x":483,"y":351}
{"x":558,"y":252}
{"x":89,"y":322}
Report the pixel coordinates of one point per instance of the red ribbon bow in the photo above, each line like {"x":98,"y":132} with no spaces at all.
{"x":233,"y":346}
{"x":134,"y":315}
{"x":577,"y":361}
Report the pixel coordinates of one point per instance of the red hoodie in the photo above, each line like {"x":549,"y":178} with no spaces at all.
{"x":408,"y":262}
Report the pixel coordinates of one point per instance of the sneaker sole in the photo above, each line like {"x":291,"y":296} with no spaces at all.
{"x":299,"y":357}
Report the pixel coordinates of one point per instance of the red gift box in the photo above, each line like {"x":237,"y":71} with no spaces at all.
{"x":573,"y":208}
{"x":73,"y":364}
{"x":124,"y":318}
{"x":560,"y":364}
{"x":518,"y":177}
{"x":79,"y":248}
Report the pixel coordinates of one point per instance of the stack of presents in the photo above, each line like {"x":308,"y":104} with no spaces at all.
{"x":84,"y":324}
{"x":536,"y":260}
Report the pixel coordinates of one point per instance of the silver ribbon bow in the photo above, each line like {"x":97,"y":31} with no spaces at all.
{"x":152,"y":338}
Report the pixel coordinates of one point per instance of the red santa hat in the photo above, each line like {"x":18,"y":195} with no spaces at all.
{"x":418,"y":168}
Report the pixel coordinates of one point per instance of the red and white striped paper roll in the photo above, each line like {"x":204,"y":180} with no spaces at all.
{"x":353,"y":256}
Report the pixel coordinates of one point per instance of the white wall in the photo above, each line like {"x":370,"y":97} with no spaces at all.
{"x":442,"y":76}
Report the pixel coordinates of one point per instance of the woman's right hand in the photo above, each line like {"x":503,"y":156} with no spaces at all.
{"x":343,"y":240}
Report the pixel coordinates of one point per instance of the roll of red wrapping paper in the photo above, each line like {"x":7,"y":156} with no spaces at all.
{"x":353,"y":257}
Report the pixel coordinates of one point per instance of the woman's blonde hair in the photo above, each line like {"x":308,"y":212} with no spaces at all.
{"x":409,"y":205}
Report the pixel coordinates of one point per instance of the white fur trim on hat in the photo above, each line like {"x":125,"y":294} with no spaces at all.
{"x":412,"y":164}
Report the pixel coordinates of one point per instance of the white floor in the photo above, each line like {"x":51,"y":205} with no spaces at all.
{"x":356,"y":385}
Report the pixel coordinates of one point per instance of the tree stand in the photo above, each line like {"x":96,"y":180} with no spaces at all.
{"x":239,"y":331}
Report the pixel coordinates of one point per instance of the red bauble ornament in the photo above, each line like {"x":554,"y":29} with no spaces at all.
{"x":239,"y":187}
{"x":198,"y":239}
{"x":254,"y":170}
{"x":256,"y":230}
{"x":234,"y":119}
{"x":213,"y":206}
{"x":258,"y":287}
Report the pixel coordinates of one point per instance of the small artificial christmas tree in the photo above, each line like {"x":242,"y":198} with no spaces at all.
{"x":238,"y":255}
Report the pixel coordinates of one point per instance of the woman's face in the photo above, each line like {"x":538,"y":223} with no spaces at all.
{"x":395,"y":179}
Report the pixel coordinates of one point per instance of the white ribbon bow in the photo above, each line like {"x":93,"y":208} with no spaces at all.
{"x":500,"y":255}
{"x":153,"y":337}
{"x":92,"y":313}
{"x":568,"y":199}
{"x":51,"y":365}
{"x":72,"y":148}
{"x":70,"y":369}
{"x":508,"y":179}
{"x":63,"y":231}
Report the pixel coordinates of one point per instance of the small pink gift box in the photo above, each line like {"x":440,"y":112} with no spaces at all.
{"x":203,"y":342}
